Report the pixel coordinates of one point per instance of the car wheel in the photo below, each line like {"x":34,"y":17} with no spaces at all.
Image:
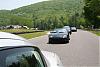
{"x":50,"y":41}
{"x":68,"y":37}
{"x":66,"y":41}
{"x":70,"y":33}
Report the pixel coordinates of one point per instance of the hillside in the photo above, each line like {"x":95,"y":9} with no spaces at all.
{"x":45,"y":13}
{"x":51,"y":7}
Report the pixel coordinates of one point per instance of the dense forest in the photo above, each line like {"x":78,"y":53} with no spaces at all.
{"x":92,"y":12}
{"x":46,"y":15}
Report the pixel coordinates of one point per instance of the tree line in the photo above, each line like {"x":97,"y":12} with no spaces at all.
{"x":54,"y":14}
{"x":92,"y":13}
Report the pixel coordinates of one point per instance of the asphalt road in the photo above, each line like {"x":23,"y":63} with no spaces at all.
{"x":82,"y":50}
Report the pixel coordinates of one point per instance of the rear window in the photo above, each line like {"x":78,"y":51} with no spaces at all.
{"x":73,"y":28}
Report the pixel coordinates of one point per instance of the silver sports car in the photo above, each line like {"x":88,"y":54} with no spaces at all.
{"x":59,"y":35}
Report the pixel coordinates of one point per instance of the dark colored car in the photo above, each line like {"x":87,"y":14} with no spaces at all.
{"x":73,"y":29}
{"x":59,"y":35}
{"x":68,"y":29}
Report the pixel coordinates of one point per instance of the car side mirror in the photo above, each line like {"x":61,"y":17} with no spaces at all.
{"x":52,"y":59}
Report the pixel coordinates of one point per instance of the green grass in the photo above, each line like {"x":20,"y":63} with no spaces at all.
{"x":16,"y":30}
{"x":96,"y":32}
{"x":32,"y":35}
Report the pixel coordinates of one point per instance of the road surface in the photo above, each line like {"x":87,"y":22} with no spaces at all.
{"x":82,"y":50}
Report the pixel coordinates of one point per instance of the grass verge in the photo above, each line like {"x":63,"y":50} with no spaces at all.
{"x":96,"y":32}
{"x":16,"y":30}
{"x":28,"y":34}
{"x":32,"y":35}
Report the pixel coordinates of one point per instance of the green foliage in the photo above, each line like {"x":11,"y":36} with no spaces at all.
{"x":92,"y":12}
{"x":46,"y":15}
{"x":96,"y":31}
{"x":11,"y":19}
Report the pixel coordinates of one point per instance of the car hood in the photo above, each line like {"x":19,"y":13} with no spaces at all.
{"x":58,"y":34}
{"x":5,"y":35}
{"x":52,"y":59}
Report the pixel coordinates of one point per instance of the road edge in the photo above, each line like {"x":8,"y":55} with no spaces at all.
{"x":39,"y":36}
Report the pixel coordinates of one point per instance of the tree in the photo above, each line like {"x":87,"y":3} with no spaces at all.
{"x":92,"y":11}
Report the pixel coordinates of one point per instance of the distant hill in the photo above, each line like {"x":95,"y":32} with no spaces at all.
{"x":51,"y":7}
{"x":45,"y":12}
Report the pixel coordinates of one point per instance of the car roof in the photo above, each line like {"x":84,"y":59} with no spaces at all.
{"x":5,"y":35}
{"x":66,"y":26}
{"x":9,"y":40}
{"x":12,"y":47}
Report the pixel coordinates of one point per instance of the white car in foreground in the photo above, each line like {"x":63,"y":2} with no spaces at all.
{"x":17,"y":52}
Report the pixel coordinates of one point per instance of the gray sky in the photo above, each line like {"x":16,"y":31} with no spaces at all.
{"x":12,"y":4}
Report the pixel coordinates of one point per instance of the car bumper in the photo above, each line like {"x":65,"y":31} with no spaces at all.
{"x":58,"y":39}
{"x":74,"y":30}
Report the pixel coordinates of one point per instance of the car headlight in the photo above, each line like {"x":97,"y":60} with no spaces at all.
{"x":64,"y":36}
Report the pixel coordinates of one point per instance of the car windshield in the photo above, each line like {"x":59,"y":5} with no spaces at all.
{"x":60,"y":30}
{"x":53,"y":32}
{"x":67,"y":27}
{"x":73,"y":28}
{"x":24,"y":57}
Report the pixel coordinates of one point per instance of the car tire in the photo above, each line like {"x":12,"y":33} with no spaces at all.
{"x":68,"y":37}
{"x":70,"y":33}
{"x":50,"y":41}
{"x":66,"y":41}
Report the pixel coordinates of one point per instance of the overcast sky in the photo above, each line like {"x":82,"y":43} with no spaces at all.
{"x":12,"y":4}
